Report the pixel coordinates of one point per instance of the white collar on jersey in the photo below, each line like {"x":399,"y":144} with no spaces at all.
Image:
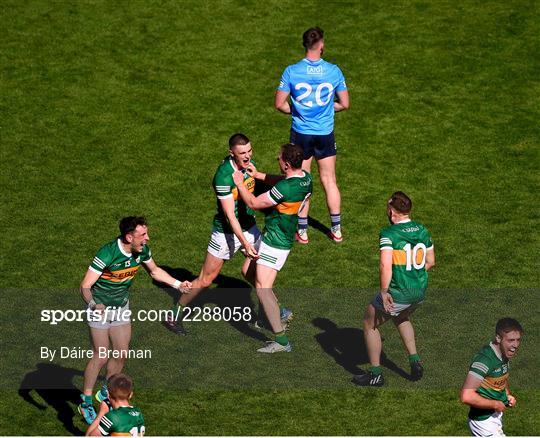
{"x":298,"y":176}
{"x":496,"y":350}
{"x":233,"y":164}
{"x":404,"y":221}
{"x":121,"y":248}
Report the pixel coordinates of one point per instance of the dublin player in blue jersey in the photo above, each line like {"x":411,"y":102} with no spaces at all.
{"x":316,"y":90}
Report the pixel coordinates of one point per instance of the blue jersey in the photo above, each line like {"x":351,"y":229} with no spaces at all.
{"x":312,"y":85}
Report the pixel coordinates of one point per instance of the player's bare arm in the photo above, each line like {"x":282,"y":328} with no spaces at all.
{"x":227,"y":204}
{"x":385,"y":272}
{"x":256,"y":203}
{"x":470,"y":397}
{"x":430,"y":258}
{"x":86,"y":289}
{"x":271,"y":180}
{"x":162,"y":276}
{"x":281,"y":102}
{"x":342,"y":101}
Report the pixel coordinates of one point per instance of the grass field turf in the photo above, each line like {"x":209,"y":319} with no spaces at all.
{"x":109,"y":109}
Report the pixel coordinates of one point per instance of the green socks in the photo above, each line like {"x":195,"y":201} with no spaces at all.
{"x":375,"y":370}
{"x":282,"y":338}
{"x":414,"y":358}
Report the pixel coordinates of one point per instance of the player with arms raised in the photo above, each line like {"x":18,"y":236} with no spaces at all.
{"x":317,"y":90}
{"x":486,"y":388}
{"x":406,"y":254}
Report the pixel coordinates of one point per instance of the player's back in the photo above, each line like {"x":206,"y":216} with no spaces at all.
{"x":312,"y":85}
{"x":123,"y":421}
{"x":409,"y":242}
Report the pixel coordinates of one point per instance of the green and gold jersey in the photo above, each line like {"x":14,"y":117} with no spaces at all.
{"x":409,"y":242}
{"x":489,"y":366}
{"x":117,"y":269}
{"x":224,"y":187}
{"x":124,"y":421}
{"x":288,"y":196}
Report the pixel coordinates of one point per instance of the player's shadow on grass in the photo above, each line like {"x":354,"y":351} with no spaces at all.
{"x":314,"y":223}
{"x":230,"y":292}
{"x":346,"y":345}
{"x":54,"y":385}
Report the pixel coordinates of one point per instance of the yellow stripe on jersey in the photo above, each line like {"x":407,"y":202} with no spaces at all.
{"x":495,"y":383}
{"x":250,"y":185}
{"x":289,"y":207}
{"x":399,"y":257}
{"x":121,"y":275}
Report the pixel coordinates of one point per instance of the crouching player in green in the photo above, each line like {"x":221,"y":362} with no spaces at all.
{"x":122,"y":419}
{"x":486,"y":388}
{"x":406,"y":254}
{"x":286,"y":199}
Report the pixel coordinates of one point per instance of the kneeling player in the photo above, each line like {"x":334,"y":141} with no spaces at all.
{"x":122,"y":418}
{"x":288,"y":196}
{"x":234,"y":224}
{"x":406,"y":254}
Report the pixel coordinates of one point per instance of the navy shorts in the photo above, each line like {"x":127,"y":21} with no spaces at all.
{"x":318,"y":146}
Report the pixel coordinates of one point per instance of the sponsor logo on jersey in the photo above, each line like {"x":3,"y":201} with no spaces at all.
{"x":314,"y":70}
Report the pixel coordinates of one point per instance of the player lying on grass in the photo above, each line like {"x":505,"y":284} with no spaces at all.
{"x":105,"y":287}
{"x":406,"y":254}
{"x":117,"y":416}
{"x":486,"y":388}
{"x":286,"y":199}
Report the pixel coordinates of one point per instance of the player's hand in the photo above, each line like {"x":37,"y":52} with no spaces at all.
{"x":238,"y":178}
{"x":511,"y":401}
{"x":99,"y":308}
{"x":498,"y":406}
{"x":388,"y":302}
{"x":250,"y":251}
{"x":185,"y":287}
{"x":252,"y":171}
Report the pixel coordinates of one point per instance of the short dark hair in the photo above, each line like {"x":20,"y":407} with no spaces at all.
{"x":120,"y":386}
{"x":505,"y":325}
{"x":292,"y":154}
{"x":238,"y":139}
{"x":311,"y":37}
{"x":128,"y":224}
{"x":400,"y":202}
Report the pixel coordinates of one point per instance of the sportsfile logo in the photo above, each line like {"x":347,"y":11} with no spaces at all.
{"x":314,"y":70}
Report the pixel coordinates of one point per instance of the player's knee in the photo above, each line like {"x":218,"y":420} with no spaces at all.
{"x":328,"y":180}
{"x":205,"y":281}
{"x":99,"y":359}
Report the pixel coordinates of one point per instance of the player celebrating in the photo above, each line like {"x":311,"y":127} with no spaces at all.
{"x":288,"y":196}
{"x":313,"y":84}
{"x":406,"y":254}
{"x":122,"y":419}
{"x":486,"y":388}
{"x":234,"y":224}
{"x":105,"y":289}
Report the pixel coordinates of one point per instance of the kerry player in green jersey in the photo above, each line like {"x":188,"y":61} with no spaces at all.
{"x":286,"y":199}
{"x":406,"y":254}
{"x":105,"y":289}
{"x":233,"y":228}
{"x":486,"y":388}
{"x":122,"y":419}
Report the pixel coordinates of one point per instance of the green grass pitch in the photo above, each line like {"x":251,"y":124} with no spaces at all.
{"x":115,"y":108}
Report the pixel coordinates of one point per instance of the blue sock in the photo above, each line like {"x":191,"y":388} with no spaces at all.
{"x":302,"y":223}
{"x":335,"y":219}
